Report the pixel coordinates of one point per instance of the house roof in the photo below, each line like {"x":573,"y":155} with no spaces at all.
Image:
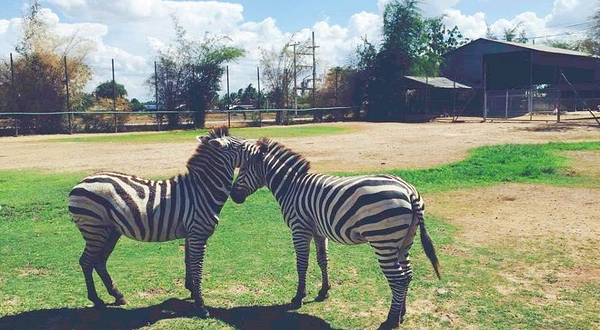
{"x":539,"y":48}
{"x":437,"y":82}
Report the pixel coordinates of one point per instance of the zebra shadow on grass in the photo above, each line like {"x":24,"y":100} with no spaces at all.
{"x":113,"y":318}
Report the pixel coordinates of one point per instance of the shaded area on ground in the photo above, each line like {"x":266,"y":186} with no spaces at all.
{"x":244,"y":318}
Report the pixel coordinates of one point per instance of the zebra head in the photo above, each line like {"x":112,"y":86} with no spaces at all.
{"x":252,"y":175}
{"x":236,"y":149}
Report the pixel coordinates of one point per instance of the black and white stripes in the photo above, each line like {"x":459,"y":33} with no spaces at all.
{"x":382,"y":210}
{"x":107,"y":205}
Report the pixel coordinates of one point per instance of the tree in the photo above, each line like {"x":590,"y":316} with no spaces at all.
{"x":40,"y":72}
{"x":488,"y":32}
{"x":136,"y":105}
{"x":439,"y":41}
{"x":516,"y":34}
{"x":105,"y":90}
{"x":404,"y":32}
{"x":189,"y":73}
{"x":591,"y":44}
{"x":338,"y":87}
{"x":278,"y":73}
{"x":249,"y":96}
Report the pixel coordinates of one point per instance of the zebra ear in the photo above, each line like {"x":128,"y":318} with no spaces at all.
{"x":202,"y":139}
{"x":263,"y":147}
{"x":217,"y":143}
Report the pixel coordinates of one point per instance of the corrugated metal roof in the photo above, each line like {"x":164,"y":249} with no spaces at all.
{"x":437,"y":82}
{"x":542,"y":48}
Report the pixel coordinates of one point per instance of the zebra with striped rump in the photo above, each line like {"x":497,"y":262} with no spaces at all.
{"x":382,"y":210}
{"x":106,"y":205}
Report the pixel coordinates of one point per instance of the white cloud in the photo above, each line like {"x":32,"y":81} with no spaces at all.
{"x":471,"y":26}
{"x":131,"y":31}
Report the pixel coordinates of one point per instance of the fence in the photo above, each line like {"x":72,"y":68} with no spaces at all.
{"x":538,"y":104}
{"x":122,"y":121}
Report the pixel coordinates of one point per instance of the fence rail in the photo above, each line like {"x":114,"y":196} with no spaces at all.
{"x":11,"y":123}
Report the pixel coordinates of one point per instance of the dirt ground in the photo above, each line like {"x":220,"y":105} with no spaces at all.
{"x":519,"y":216}
{"x":368,"y":147}
{"x":530,"y":220}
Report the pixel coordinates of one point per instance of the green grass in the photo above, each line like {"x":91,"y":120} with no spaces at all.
{"x":250,"y":262}
{"x":503,"y":163}
{"x":186,"y":136}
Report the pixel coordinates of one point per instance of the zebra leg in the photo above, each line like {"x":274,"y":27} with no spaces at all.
{"x":109,"y":246}
{"x":302,"y":247}
{"x":396,"y":268}
{"x":197,"y":246}
{"x":94,"y":244}
{"x":322,"y":258}
{"x":188,"y":274}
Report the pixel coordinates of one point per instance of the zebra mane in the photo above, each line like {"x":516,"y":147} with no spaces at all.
{"x":218,"y":132}
{"x":215,"y":133}
{"x":284,"y":155}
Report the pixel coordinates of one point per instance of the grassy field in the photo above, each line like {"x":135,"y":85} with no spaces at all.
{"x":189,"y":135}
{"x":250,"y":269}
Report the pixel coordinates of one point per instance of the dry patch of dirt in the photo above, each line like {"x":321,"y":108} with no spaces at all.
{"x":370,"y":147}
{"x":151,"y":293}
{"x":491,"y":214}
{"x":585,"y":162}
{"x":558,"y":228}
{"x":33,"y":271}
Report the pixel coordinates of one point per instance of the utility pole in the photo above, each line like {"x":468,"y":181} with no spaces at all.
{"x":228,"y":100}
{"x":158,"y":117}
{"x":12,"y":94}
{"x":295,"y":79}
{"x":258,"y":79}
{"x":314,"y":67}
{"x":337,"y":72}
{"x":114,"y":94}
{"x":68,"y":101}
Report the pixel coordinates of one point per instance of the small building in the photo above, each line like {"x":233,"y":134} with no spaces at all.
{"x":436,"y":96}
{"x":519,"y":78}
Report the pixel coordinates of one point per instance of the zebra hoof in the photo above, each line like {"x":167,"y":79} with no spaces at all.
{"x":295,"y":304}
{"x":120,"y":302}
{"x":202,"y":312}
{"x":99,"y":304}
{"x":322,"y":296}
{"x":389,"y":325}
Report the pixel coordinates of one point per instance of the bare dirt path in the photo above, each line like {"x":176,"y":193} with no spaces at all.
{"x":530,"y":220}
{"x":369,"y":147}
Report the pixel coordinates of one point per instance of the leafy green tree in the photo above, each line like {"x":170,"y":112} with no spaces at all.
{"x":39,"y":84}
{"x":249,"y":96}
{"x":105,"y":90}
{"x":136,"y":105}
{"x":189,"y":73}
{"x":439,"y":41}
{"x":404,"y":32}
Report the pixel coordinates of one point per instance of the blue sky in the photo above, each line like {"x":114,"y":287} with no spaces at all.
{"x":287,"y":12}
{"x":131,"y":31}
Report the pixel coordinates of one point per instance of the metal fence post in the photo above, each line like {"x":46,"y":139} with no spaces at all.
{"x":506,"y":106}
{"x":16,"y":126}
{"x":228,"y":119}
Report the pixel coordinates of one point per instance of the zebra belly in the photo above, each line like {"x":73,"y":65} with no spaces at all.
{"x":383,"y":220}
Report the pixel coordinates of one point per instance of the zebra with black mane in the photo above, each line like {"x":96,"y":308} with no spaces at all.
{"x":382,"y":210}
{"x":106,"y":205}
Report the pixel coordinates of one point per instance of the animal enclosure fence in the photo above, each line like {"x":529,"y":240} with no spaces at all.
{"x":127,"y":121}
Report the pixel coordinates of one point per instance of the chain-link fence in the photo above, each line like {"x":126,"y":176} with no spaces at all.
{"x":539,"y":104}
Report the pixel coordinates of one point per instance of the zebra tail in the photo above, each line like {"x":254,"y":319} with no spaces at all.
{"x":429,"y":249}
